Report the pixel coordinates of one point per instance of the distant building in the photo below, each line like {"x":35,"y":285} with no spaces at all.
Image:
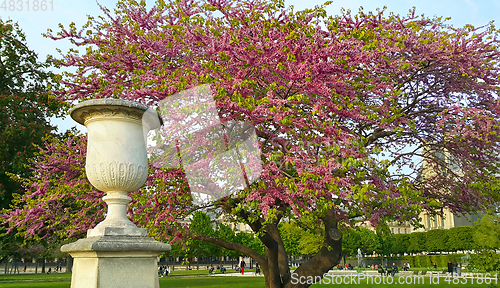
{"x":449,"y":220}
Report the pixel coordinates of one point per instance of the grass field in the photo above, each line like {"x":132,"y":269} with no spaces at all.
{"x":63,"y":281}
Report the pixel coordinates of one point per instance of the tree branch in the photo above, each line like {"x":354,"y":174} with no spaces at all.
{"x":228,"y":245}
{"x":378,"y":133}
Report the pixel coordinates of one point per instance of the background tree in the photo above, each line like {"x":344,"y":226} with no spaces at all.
{"x":461,"y":239}
{"x":350,"y":243}
{"x":417,"y":242}
{"x":326,"y":100}
{"x":201,"y":224}
{"x":11,"y":250}
{"x":25,"y":107}
{"x":249,"y":240}
{"x":227,"y":234}
{"x":399,"y":243}
{"x":291,"y":234}
{"x":368,"y":241}
{"x":436,"y":240}
{"x":486,"y":234}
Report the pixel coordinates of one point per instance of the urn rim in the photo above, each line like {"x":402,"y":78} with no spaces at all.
{"x":76,"y":112}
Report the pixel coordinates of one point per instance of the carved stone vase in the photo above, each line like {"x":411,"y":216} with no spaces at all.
{"x":116,"y":253}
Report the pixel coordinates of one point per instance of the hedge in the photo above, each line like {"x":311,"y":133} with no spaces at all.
{"x":426,"y":261}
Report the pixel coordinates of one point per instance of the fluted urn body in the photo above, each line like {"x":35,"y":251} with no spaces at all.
{"x":116,"y":160}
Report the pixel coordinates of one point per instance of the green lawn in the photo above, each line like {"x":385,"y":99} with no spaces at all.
{"x":212,"y":282}
{"x":63,"y":281}
{"x":203,"y":272}
{"x":55,"y":280}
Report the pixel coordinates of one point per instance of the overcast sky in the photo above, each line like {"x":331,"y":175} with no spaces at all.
{"x":34,"y":23}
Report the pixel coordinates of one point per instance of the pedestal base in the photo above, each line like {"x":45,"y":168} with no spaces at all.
{"x":115,"y":262}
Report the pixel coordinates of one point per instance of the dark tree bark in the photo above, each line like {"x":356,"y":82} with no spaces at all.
{"x":274,"y":264}
{"x":69,"y":264}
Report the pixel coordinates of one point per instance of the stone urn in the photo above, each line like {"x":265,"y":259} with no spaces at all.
{"x":117,"y":161}
{"x":116,"y":253}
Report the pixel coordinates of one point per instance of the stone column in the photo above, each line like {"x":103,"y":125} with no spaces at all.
{"x":116,"y":253}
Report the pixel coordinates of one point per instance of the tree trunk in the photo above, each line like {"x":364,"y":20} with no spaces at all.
{"x":6,"y":265}
{"x":43,"y":265}
{"x":275,"y":264}
{"x":36,"y":265}
{"x":69,"y":264}
{"x":327,"y":257}
{"x":197,"y":260}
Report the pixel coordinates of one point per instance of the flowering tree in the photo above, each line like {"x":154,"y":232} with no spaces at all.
{"x":346,"y":109}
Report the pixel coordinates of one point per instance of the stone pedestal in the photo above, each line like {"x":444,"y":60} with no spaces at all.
{"x":115,"y":262}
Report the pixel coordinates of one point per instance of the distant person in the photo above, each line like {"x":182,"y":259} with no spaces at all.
{"x":434,"y":265}
{"x":381,"y":270}
{"x":242,"y":266}
{"x":450,"y":267}
{"x":455,"y":267}
{"x":407,"y":266}
{"x":389,"y":270}
{"x":394,"y":269}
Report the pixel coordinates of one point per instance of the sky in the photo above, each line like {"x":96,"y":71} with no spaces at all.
{"x":34,"y":23}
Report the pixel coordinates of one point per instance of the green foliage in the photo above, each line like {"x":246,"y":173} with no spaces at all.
{"x":226,"y":233}
{"x":487,"y":232}
{"x":310,"y":242}
{"x":25,"y":107}
{"x":436,"y":240}
{"x":417,"y":242}
{"x":485,"y":260}
{"x":368,"y":241}
{"x":399,"y":243}
{"x":201,"y":225}
{"x":487,"y":238}
{"x":249,"y":240}
{"x":291,"y":235}
{"x":350,"y":242}
{"x":426,"y":261}
{"x":300,"y":241}
{"x":460,"y":239}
